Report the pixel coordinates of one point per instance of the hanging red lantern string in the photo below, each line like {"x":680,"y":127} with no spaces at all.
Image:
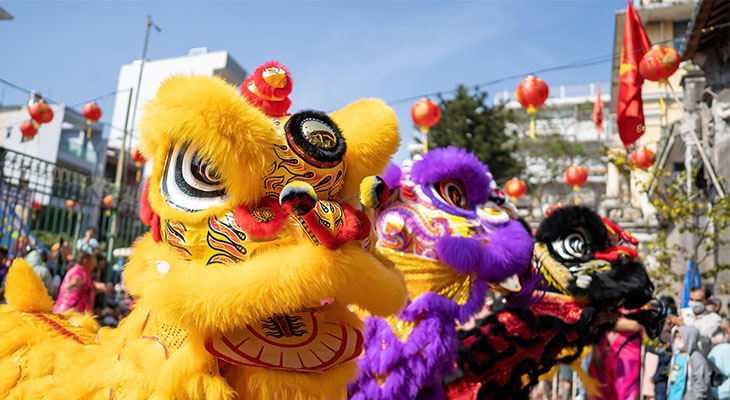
{"x":657,"y":65}
{"x":532,"y":93}
{"x":108,"y":202}
{"x":29,"y":129}
{"x":642,"y":158}
{"x":425,"y":114}
{"x":576,"y":177}
{"x":36,"y":207}
{"x":41,"y":112}
{"x":515,"y":188}
{"x":139,"y":160}
{"x":92,"y":112}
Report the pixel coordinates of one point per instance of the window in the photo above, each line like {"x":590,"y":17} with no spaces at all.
{"x":679,"y":30}
{"x":73,"y":142}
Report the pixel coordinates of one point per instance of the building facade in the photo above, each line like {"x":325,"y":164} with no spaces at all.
{"x":198,"y":61}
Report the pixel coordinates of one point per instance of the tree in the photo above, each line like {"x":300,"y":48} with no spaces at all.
{"x":693,"y":225}
{"x":468,"y":122}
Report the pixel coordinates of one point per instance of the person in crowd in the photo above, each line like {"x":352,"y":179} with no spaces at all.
{"x":616,"y":362}
{"x":106,"y":318}
{"x":690,"y":373}
{"x":101,"y":266}
{"x":60,"y":252}
{"x":88,"y":244}
{"x":714,"y":304}
{"x":78,"y":287}
{"x":660,"y":378}
{"x":37,"y":260}
{"x":661,"y":375}
{"x":700,"y":316}
{"x":720,"y":356}
{"x":116,"y":275}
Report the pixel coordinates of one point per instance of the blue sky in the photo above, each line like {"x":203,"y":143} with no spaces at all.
{"x":338,"y":51}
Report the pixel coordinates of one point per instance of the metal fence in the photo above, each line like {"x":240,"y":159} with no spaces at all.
{"x":42,"y":204}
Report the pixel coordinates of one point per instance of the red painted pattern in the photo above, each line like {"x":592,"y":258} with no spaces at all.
{"x":57,"y":327}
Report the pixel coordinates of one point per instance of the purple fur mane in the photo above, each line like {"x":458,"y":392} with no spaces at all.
{"x":412,"y":369}
{"x":453,"y":163}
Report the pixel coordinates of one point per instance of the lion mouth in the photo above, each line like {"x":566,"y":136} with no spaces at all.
{"x":311,"y":340}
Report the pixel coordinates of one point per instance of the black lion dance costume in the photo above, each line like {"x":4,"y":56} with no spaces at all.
{"x":590,"y":280}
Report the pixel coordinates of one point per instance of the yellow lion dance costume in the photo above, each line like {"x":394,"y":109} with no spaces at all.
{"x":242,"y":286}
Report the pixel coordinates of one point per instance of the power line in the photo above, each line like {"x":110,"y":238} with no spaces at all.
{"x":101,"y":97}
{"x":573,"y":65}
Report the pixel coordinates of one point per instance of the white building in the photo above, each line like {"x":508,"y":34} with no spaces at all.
{"x":198,"y":61}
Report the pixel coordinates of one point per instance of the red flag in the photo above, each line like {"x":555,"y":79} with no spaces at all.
{"x":598,"y":113}
{"x":630,"y":109}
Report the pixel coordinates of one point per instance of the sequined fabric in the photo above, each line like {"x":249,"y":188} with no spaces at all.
{"x":426,"y":275}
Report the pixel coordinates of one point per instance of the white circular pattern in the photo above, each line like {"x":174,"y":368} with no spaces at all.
{"x":162,"y":267}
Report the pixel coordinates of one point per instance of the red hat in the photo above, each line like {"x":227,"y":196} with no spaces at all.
{"x":269,"y":88}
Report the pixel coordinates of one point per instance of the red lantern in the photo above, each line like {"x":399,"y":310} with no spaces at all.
{"x":532,"y":93}
{"x":642,"y":158}
{"x":28,"y":129}
{"x":659,"y":63}
{"x":35,"y":206}
{"x":69,"y":204}
{"x":41,"y":112}
{"x":139,"y":160}
{"x":576,"y":176}
{"x":515,"y":188}
{"x":138,"y":157}
{"x":425,"y":113}
{"x":108,"y":200}
{"x":92,"y":112}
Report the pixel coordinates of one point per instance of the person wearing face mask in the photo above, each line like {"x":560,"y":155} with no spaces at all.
{"x":690,"y":373}
{"x":699,"y":316}
{"x":720,"y":355}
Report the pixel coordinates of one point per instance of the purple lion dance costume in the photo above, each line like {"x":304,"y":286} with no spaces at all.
{"x":452,"y":234}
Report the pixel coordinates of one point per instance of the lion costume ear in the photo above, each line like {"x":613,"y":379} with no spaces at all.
{"x":370,"y":129}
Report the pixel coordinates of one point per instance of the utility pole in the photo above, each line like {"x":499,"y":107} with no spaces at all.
{"x":117,"y":188}
{"x":150,"y":24}
{"x":119,"y":178}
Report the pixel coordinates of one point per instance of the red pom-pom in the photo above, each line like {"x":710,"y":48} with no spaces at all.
{"x":271,"y":107}
{"x":265,"y":88}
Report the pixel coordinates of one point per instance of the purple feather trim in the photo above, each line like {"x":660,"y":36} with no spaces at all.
{"x":454,"y":163}
{"x":392,"y":176}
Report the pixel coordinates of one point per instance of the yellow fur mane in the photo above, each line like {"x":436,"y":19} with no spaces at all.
{"x":161,"y":350}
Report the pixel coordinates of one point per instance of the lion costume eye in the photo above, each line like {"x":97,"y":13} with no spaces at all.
{"x":452,"y":192}
{"x":189,"y":182}
{"x":572,"y":247}
{"x":315,"y":138}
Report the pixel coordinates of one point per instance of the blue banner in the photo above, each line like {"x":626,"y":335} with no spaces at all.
{"x":691,"y":280}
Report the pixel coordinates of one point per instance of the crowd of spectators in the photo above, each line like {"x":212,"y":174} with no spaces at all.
{"x":77,"y":283}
